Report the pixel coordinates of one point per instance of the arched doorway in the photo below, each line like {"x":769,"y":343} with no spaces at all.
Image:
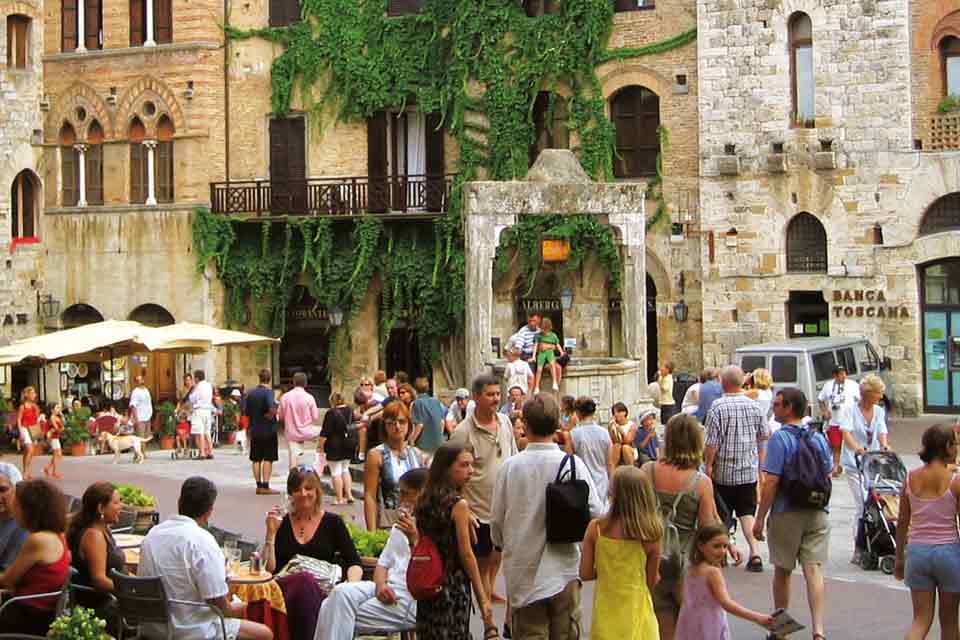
{"x":158,"y":369}
{"x":305,"y":345}
{"x":653,"y":355}
{"x":83,"y":379}
{"x":79,"y":314}
{"x":940,"y":304}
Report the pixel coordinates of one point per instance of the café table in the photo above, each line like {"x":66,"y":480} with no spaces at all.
{"x":128,"y":540}
{"x":265,"y":603}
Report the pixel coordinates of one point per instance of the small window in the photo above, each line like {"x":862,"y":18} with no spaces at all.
{"x":823,"y":364}
{"x":24,"y":196}
{"x":18,"y":33}
{"x":549,"y":123}
{"x":801,"y":67}
{"x":632,"y":5}
{"x":284,"y":12}
{"x":751,"y":363}
{"x":403,"y":7}
{"x":784,"y":369}
{"x":943,"y":215}
{"x":950,"y":63}
{"x":806,"y":245}
{"x":845,"y":358}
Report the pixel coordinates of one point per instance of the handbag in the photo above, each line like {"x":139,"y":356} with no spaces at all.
{"x":325,"y":573}
{"x":568,"y":505}
{"x":426,"y":572}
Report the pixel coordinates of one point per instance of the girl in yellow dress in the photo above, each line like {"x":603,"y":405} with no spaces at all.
{"x":621,"y":551}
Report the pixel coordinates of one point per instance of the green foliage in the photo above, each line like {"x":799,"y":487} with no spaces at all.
{"x":167,"y":418}
{"x":78,"y":624}
{"x":6,"y":406}
{"x":75,"y":428}
{"x":949,"y":104}
{"x":231,"y":416}
{"x":655,"y":184}
{"x":368,"y":543}
{"x":587,"y":237}
{"x":134,"y":496}
{"x":623,"y":53}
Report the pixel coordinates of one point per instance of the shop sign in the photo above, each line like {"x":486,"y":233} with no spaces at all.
{"x":865,"y":303}
{"x":307,"y":313}
{"x":540,"y":304}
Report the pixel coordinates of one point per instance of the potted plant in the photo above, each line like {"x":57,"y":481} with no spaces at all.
{"x":369,"y":545}
{"x":167,"y":424}
{"x":76,"y":432}
{"x":78,"y":624}
{"x":231,"y":421}
{"x":145,"y":505}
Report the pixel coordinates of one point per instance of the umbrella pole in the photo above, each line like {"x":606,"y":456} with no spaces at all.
{"x":43,"y":384}
{"x":111,"y":374}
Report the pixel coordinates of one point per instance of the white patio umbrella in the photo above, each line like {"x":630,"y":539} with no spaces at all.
{"x":172,"y":335}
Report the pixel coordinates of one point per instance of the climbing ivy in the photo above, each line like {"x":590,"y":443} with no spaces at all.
{"x":480,"y":64}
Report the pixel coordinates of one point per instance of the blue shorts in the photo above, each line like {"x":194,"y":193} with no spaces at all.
{"x":932,"y":567}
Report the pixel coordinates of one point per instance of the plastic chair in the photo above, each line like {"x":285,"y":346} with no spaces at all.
{"x":144,"y":600}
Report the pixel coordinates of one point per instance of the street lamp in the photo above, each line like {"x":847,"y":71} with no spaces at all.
{"x":47,"y":306}
{"x":566,"y":299}
{"x":680,"y":311}
{"x":336,"y":316}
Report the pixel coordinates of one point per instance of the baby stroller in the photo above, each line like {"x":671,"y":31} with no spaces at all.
{"x":882,"y":475}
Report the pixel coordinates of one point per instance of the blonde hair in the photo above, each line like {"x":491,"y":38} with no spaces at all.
{"x":683,"y":446}
{"x":26,"y":391}
{"x":762,"y":378}
{"x":546,"y":325}
{"x":634,"y":505}
{"x":872,"y":383}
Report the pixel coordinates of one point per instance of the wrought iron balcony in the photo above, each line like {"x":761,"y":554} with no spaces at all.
{"x":342,"y":197}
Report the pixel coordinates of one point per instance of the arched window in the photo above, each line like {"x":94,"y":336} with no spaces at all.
{"x":164,"y":160}
{"x":94,"y":164}
{"x":943,"y":215}
{"x":138,"y":162}
{"x":77,"y":315}
{"x":950,"y":65}
{"x":549,"y":123}
{"x":69,"y":166}
{"x":636,"y":117}
{"x":152,"y":315}
{"x":18,"y":34}
{"x":806,"y":245}
{"x":801,"y":67}
{"x":24,"y":199}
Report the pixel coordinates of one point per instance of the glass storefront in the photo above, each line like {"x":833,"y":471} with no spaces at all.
{"x":940,"y":298}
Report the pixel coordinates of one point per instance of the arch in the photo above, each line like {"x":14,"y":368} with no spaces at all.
{"x":949,"y":25}
{"x":802,"y":83}
{"x":95,"y":132}
{"x":67,"y":135}
{"x":136,"y":132}
{"x":77,"y":315}
{"x":622,"y":75}
{"x":84,"y":96}
{"x":152,"y":315}
{"x":165,"y":128}
{"x":25,"y":205}
{"x":942,"y":215}
{"x":149,"y":89}
{"x":806,"y":244}
{"x":635,"y":112}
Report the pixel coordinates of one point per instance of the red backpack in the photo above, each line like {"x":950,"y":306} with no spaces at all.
{"x":425,"y":573}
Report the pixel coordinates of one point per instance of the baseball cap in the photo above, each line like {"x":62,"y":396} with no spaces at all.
{"x":236,"y":393}
{"x":648,"y":412}
{"x":461,"y":394}
{"x":837,"y":369}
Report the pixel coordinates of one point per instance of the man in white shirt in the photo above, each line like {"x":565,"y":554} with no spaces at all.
{"x":383,"y":604}
{"x":201,"y":419}
{"x":143,"y":405}
{"x":542,"y":579}
{"x":191,"y":565}
{"x":835,"y":398}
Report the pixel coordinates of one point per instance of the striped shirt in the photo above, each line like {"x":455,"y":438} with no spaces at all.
{"x":525,"y":338}
{"x":735,"y":427}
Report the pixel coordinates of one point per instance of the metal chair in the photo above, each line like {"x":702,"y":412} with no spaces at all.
{"x":407,"y":633}
{"x":222,"y":535}
{"x":246,"y":548}
{"x":144,"y":600}
{"x":125,"y":521}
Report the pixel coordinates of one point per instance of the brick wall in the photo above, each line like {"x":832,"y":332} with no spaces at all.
{"x":930,"y":20}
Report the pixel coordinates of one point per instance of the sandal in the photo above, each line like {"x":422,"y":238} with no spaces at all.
{"x":490,"y":633}
{"x":755,"y":564}
{"x":819,"y":636}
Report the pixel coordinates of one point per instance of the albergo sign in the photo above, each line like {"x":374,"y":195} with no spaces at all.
{"x":865,"y":303}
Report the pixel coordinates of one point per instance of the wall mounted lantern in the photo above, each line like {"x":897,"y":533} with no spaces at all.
{"x":680,"y":311}
{"x":566,"y":299}
{"x":336,"y":316}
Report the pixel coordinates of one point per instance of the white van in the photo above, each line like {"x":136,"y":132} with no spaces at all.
{"x":807,"y":363}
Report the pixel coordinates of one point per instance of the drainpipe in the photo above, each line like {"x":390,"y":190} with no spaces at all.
{"x":226,"y":132}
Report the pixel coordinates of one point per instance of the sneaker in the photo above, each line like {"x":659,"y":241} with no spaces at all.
{"x":556,"y":387}
{"x":856,"y":558}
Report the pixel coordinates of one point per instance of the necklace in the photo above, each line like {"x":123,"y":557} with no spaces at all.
{"x":302,"y":524}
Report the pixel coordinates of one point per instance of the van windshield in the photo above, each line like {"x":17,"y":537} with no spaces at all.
{"x":749,"y":363}
{"x":823,"y":364}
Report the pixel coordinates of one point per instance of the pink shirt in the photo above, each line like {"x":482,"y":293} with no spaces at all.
{"x":300,"y":412}
{"x":933,"y":520}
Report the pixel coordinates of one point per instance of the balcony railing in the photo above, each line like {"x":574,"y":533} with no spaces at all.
{"x":944,"y":132}
{"x":354,"y":196}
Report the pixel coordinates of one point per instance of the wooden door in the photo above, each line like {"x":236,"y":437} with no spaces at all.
{"x":162,"y":21}
{"x":68,"y":22}
{"x":159,"y":376}
{"x":288,"y":165}
{"x":436,"y":184}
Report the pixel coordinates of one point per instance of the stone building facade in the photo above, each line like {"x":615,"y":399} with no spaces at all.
{"x":21,"y":165}
{"x":819,"y":209}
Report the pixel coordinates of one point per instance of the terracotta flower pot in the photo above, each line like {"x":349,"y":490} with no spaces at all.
{"x":77,"y":449}
{"x":167,"y":442}
{"x":230,"y":437}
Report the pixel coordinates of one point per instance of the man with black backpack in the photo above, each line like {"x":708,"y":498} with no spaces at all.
{"x":796,"y":493}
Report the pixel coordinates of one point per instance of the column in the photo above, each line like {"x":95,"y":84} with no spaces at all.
{"x":151,"y":146}
{"x":81,"y":29}
{"x":81,"y":173}
{"x":149,"y":42}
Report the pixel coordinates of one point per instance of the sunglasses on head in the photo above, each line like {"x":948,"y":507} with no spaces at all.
{"x":304,"y":468}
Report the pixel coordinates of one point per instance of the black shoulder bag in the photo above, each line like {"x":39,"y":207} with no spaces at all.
{"x":568,"y":505}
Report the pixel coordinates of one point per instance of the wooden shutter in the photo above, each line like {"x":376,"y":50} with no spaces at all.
{"x":138,"y":23}
{"x":164,"y":164}
{"x":625,"y":5}
{"x":378,"y":189}
{"x":20,"y":26}
{"x":68,"y":22}
{"x":162,"y":21}
{"x":284,"y":12}
{"x":434,"y":162}
{"x":94,"y":174}
{"x":138,"y":173}
{"x":402,"y":7}
{"x":15,"y":204}
{"x":27,"y":207}
{"x":92,"y":21}
{"x":68,"y":176}
{"x":297,"y":163}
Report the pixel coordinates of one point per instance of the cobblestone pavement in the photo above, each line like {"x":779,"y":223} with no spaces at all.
{"x":859,"y":604}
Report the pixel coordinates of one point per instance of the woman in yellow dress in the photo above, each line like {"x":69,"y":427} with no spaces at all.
{"x":621,"y":551}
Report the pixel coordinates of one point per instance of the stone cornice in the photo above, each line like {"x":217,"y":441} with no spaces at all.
{"x":132,"y":51}
{"x":163,"y":207}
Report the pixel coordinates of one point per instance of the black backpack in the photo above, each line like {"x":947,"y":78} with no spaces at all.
{"x":805,"y":483}
{"x":568,"y":505}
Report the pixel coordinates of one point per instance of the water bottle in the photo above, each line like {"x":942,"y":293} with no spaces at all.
{"x":255,"y":563}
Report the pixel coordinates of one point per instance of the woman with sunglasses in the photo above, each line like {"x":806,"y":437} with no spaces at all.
{"x":307,"y":529}
{"x":384,"y":466}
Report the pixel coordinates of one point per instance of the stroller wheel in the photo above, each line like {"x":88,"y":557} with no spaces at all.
{"x":868,"y":561}
{"x":886,"y":564}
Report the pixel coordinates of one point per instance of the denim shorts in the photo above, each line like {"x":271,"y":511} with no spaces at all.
{"x":933,"y":566}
